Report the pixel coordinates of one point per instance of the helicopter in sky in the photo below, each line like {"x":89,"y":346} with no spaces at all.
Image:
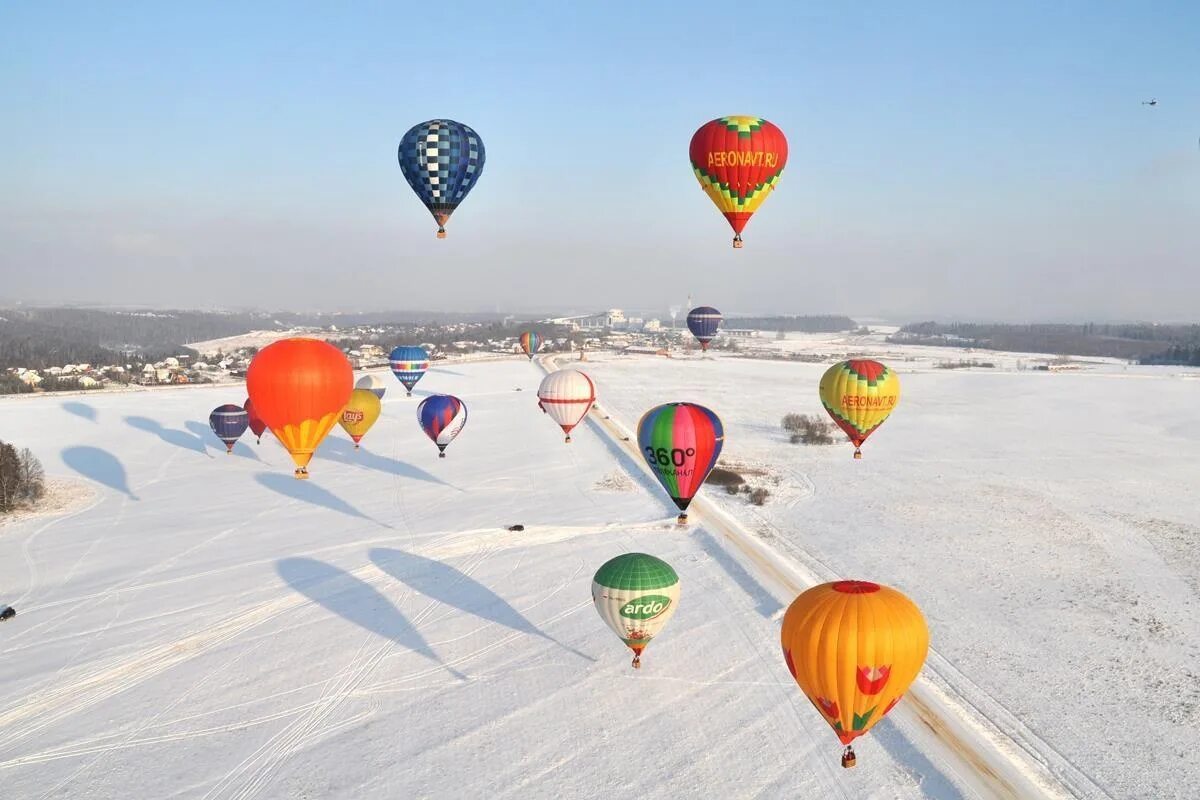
{"x":1153,"y":101}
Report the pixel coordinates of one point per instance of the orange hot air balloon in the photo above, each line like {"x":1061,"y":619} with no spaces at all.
{"x":854,"y":647}
{"x":299,"y":388}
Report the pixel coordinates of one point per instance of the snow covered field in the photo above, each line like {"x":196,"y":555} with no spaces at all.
{"x":1047,"y":524}
{"x":205,"y":626}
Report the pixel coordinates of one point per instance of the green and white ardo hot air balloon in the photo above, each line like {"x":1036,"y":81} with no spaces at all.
{"x":636,"y":595}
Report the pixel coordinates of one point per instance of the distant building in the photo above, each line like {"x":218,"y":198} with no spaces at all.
{"x":741,"y":333}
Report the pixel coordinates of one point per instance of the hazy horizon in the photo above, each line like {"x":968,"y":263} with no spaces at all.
{"x":945,"y":163}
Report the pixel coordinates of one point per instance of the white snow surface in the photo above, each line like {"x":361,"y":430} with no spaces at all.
{"x":208,"y":627}
{"x":1048,"y":525}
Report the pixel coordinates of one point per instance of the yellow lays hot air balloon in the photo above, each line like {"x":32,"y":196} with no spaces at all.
{"x":859,"y":394}
{"x":854,"y":647}
{"x":360,"y":414}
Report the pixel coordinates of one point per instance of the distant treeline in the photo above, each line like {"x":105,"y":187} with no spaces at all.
{"x":1149,"y":344}
{"x":819,"y":324}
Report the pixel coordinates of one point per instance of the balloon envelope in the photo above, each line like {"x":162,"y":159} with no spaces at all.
{"x":530,"y":342}
{"x":567,"y":396}
{"x":636,"y":595}
{"x":854,"y":647}
{"x":408,"y":365}
{"x":859,"y":395}
{"x":441,"y":159}
{"x":359,"y":414}
{"x":229,"y":422}
{"x":704,"y":322}
{"x":299,"y":388}
{"x":257,"y":426}
{"x":373,"y":384}
{"x":681,"y":442}
{"x":442,"y":416}
{"x":738,"y":161}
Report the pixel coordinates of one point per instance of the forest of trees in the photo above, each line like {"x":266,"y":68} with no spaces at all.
{"x":1149,"y":344}
{"x":22,"y":480}
{"x":827,"y":323}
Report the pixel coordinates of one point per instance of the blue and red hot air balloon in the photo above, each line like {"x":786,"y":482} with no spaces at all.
{"x":442,"y":416}
{"x":408,"y":365}
{"x":704,"y":322}
{"x":229,"y":422}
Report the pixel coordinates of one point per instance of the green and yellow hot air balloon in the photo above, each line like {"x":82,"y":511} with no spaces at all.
{"x":636,"y":594}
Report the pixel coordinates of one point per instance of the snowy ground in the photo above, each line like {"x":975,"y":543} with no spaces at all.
{"x":207,"y":627}
{"x":1048,"y":525}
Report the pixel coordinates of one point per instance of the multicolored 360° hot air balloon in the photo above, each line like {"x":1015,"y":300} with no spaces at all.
{"x":408,"y":365}
{"x":530,"y":342}
{"x":257,"y":426}
{"x":442,"y":416}
{"x":859,"y":395}
{"x":738,"y":161}
{"x":681,"y":442}
{"x":854,"y":647}
{"x":359,"y":414}
{"x":373,"y":384}
{"x":567,"y":396}
{"x":704,"y":322}
{"x":442,"y":160}
{"x":228,"y":422}
{"x":636,"y":594}
{"x":299,"y":388}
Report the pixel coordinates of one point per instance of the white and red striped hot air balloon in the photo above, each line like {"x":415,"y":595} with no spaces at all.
{"x":567,"y":396}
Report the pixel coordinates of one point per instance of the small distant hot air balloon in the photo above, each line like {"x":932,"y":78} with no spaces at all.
{"x":859,"y":395}
{"x":442,"y":160}
{"x":408,"y":365}
{"x":442,"y":416}
{"x":681,"y":442}
{"x":854,"y":647}
{"x":636,"y":594}
{"x":299,"y":388}
{"x":359,"y":414}
{"x":567,"y":396}
{"x":738,"y":161}
{"x":704,"y":322}
{"x":257,"y":426}
{"x":530,"y":342}
{"x":373,"y":384}
{"x":228,"y":422}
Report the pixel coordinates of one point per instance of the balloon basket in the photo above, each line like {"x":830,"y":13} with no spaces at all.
{"x":409,"y":394}
{"x":567,"y":440}
{"x":637,"y":662}
{"x":441,"y":455}
{"x":858,"y":454}
{"x":301,"y":474}
{"x":737,"y":243}
{"x":848,"y":758}
{"x":441,"y":234}
{"x":682,"y":519}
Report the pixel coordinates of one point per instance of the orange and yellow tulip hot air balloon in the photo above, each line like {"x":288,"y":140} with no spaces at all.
{"x":859,"y":394}
{"x":854,"y":647}
{"x":360,"y":414}
{"x":299,"y":388}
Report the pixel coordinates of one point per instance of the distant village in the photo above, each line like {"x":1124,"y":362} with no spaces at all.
{"x":367,"y":347}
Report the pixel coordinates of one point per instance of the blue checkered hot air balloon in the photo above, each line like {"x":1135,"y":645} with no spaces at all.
{"x":408,"y":365}
{"x":229,"y":422}
{"x":441,"y":159}
{"x":703,"y":322}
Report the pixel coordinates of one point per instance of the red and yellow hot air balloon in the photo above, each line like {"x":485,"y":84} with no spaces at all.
{"x":854,"y":647}
{"x":738,"y":161}
{"x":859,"y":394}
{"x":299,"y":388}
{"x":360,"y":414}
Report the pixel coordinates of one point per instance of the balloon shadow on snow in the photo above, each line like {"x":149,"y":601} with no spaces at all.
{"x":80,"y":410}
{"x":633,"y":467}
{"x":934,"y":782}
{"x":342,"y":451}
{"x":177,"y":438}
{"x":356,"y":601}
{"x":763,"y":599}
{"x":447,"y":585}
{"x":309,"y":492}
{"x":100,"y":466}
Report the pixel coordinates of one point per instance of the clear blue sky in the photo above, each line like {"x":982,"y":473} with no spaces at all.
{"x":946,"y":159}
